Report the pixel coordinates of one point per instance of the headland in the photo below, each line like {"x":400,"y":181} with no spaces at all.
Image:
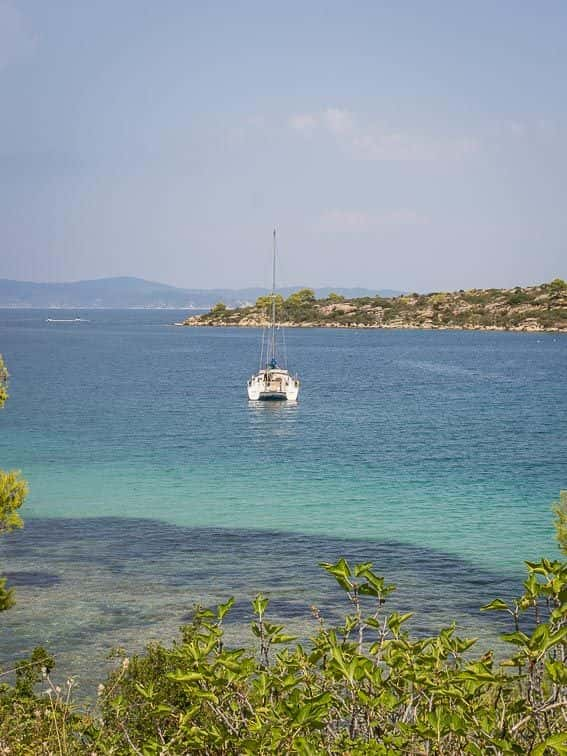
{"x":530,"y":308}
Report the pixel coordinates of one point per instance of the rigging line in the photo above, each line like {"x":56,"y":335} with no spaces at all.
{"x":262,"y":337}
{"x":273,"y":352}
{"x":284,"y":348}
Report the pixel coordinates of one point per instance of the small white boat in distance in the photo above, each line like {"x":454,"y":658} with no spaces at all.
{"x":67,"y":320}
{"x":273,"y":382}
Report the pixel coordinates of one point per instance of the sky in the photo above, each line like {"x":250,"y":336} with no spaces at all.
{"x":409,"y":145}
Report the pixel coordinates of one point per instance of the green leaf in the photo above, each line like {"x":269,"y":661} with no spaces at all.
{"x":557,"y":671}
{"x":206,"y":695}
{"x":557,"y":742}
{"x":555,"y":638}
{"x":260,"y":604}
{"x":303,"y":747}
{"x":395,"y":621}
{"x":536,"y":567}
{"x":341,"y":573}
{"x":185,"y":676}
{"x":340,"y":568}
{"x":281,"y":638}
{"x":368,"y":590}
{"x":223,"y":609}
{"x":146,"y":692}
{"x":517,"y":638}
{"x":360,"y":569}
{"x":495,"y":606}
{"x":371,"y":622}
{"x":164,"y":709}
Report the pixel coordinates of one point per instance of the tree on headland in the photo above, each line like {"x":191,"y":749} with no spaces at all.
{"x":264,"y":302}
{"x":301,"y":306}
{"x":13,"y":490}
{"x":301,"y":298}
{"x":335,"y":298}
{"x":558,"y":285}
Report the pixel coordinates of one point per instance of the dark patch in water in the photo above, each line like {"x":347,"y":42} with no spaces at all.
{"x":32,"y":579}
{"x":204,"y":559}
{"x":125,"y":581}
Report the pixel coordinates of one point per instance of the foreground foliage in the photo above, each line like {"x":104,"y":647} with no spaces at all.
{"x":13,"y":491}
{"x":364,"y":687}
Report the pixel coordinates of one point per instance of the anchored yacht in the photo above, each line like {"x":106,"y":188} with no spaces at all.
{"x":273,"y":382}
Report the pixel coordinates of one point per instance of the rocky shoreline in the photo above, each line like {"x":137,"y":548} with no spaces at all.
{"x":374,"y":327}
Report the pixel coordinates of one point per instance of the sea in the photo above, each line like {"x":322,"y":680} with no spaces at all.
{"x":155,"y":486}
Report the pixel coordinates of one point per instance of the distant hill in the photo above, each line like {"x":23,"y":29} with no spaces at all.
{"x":136,"y":292}
{"x":528,"y":308}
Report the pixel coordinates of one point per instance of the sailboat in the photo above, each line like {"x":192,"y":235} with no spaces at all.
{"x":273,"y":382}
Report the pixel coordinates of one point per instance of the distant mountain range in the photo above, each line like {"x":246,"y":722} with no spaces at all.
{"x":136,"y":292}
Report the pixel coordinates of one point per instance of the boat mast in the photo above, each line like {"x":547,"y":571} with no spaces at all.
{"x":273,"y":341}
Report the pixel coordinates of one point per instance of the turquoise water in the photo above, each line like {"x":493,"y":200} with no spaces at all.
{"x":436,"y":454}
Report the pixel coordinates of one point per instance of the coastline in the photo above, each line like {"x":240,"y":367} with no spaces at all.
{"x":531,"y":309}
{"x":374,"y":327}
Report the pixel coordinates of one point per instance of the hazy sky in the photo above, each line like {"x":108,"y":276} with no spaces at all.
{"x":412,"y":145}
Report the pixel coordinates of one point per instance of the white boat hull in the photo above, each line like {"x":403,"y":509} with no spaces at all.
{"x":274,"y":384}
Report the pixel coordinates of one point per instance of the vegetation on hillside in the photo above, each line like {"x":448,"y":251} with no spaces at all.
{"x":532,"y":308}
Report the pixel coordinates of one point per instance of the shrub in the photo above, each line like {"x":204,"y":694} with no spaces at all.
{"x":362,"y":687}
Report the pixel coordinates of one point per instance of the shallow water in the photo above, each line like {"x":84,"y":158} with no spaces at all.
{"x":95,"y":584}
{"x":154,"y":483}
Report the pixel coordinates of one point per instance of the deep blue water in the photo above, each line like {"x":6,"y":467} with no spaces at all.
{"x":154,"y":483}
